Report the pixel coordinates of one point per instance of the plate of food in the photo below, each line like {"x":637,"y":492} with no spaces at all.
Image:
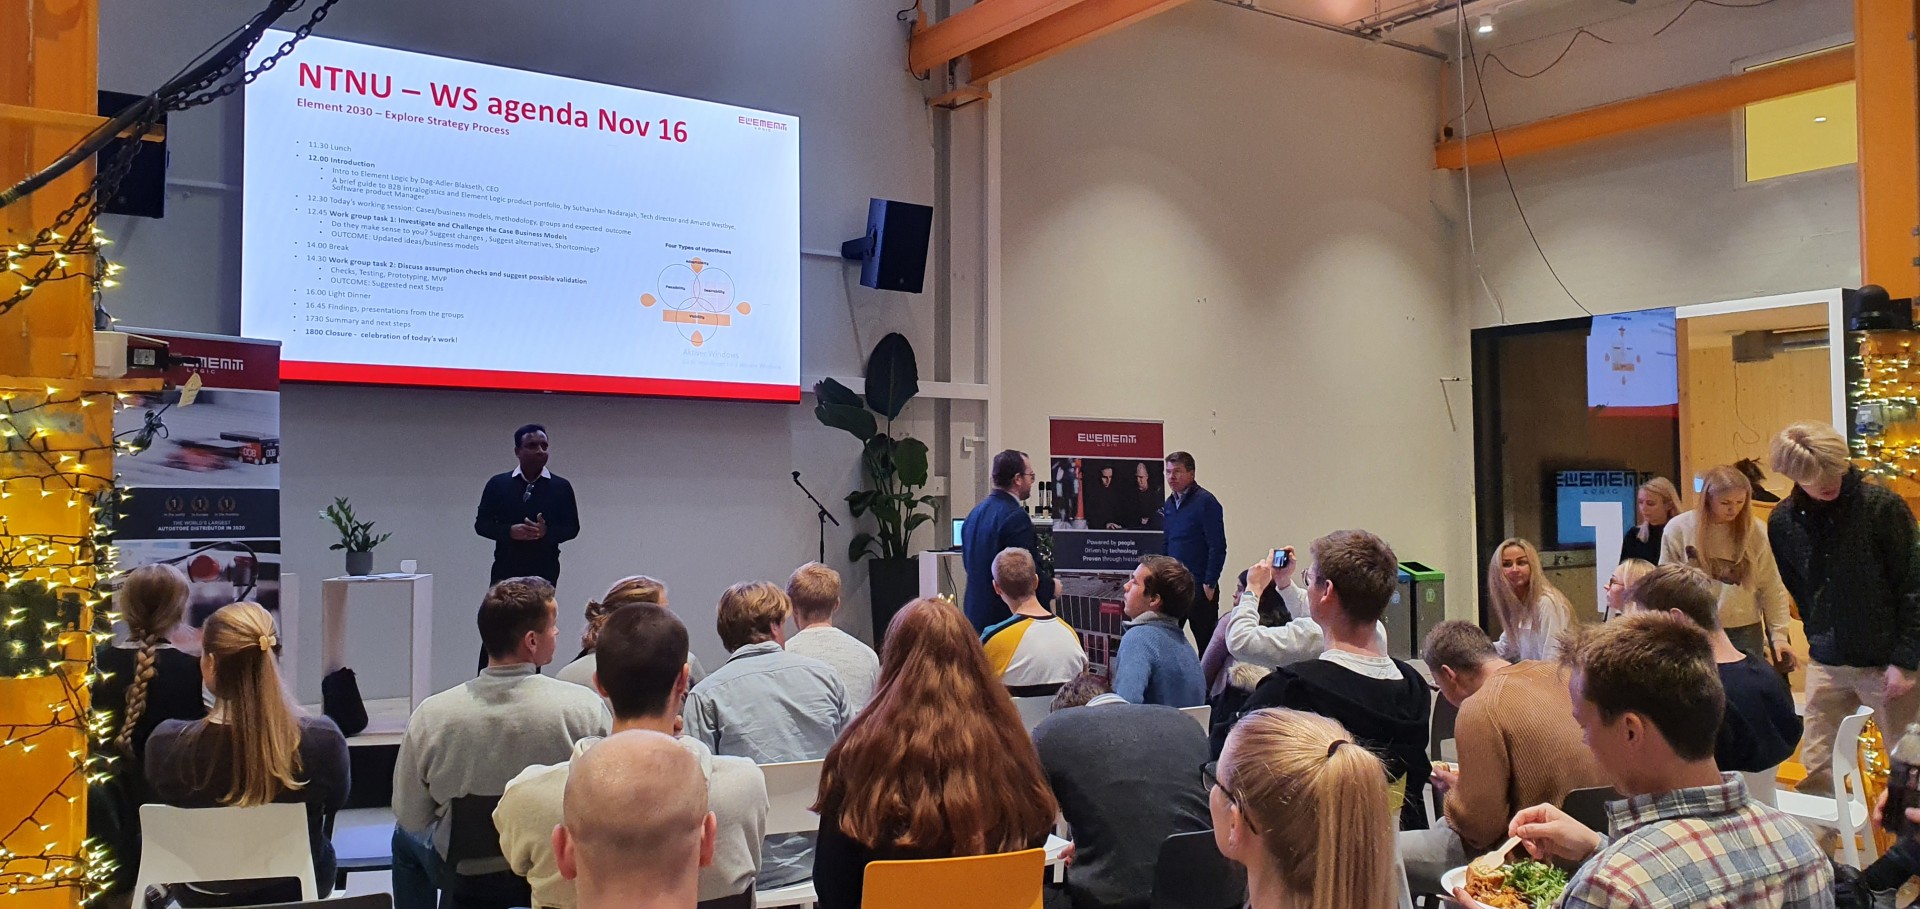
{"x":1520,"y":884}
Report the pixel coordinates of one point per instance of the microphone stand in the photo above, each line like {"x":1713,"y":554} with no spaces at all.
{"x":825,"y":515}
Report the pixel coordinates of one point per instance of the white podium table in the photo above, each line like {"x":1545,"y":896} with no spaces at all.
{"x":334,"y":596}
{"x":932,"y":564}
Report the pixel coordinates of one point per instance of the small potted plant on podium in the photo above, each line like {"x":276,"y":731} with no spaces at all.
{"x":356,"y":536}
{"x":895,"y":468}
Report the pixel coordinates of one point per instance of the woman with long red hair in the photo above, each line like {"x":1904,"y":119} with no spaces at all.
{"x":937,"y":766}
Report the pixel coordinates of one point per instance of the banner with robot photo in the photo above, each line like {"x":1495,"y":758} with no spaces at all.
{"x":1109,"y":482}
{"x":200,"y":463}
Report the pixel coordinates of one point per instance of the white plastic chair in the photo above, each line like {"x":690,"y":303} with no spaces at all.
{"x":1764,"y":786}
{"x":1033,"y":710}
{"x":791,"y":790}
{"x":182,"y":845}
{"x":1202,"y":713}
{"x":1846,"y":810}
{"x":1400,"y":872}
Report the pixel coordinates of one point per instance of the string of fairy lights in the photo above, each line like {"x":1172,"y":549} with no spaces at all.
{"x":1883,"y":392}
{"x":51,"y":594}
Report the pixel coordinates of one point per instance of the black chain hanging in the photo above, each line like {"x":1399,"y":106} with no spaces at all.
{"x":80,"y":240}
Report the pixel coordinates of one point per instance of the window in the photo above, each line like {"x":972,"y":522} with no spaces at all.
{"x":1800,"y":133}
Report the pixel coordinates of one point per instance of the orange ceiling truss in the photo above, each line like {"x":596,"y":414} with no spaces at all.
{"x":1715,"y":96}
{"x":997,"y":37}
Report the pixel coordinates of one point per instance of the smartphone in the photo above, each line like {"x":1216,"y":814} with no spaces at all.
{"x":1282,"y":558}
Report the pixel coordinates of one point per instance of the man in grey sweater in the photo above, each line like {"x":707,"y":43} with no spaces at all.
{"x":1127,"y":776}
{"x":642,"y":672}
{"x":472,"y":739}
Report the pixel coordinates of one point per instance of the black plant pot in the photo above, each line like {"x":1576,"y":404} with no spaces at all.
{"x":892,"y":584}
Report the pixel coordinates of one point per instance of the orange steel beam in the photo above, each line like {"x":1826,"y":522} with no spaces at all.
{"x":1077,"y":25}
{"x":78,"y":123}
{"x":1888,"y":101}
{"x":975,"y":27}
{"x":49,"y":59}
{"x":1701,"y":99}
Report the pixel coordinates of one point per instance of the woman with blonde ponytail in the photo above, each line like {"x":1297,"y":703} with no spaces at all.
{"x":1305,"y":809}
{"x":144,"y":680}
{"x":254,"y":748}
{"x":636,"y":589}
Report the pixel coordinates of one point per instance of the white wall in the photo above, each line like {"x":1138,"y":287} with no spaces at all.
{"x":1659,"y":217}
{"x":696,"y":493}
{"x":1222,"y":220}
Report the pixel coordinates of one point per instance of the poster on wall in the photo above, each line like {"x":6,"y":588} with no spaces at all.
{"x":1109,"y":481}
{"x":200,"y":464}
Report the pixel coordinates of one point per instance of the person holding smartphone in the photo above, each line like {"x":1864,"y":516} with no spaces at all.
{"x":1279,"y":645}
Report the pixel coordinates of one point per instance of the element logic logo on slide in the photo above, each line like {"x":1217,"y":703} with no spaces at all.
{"x":698,"y":300}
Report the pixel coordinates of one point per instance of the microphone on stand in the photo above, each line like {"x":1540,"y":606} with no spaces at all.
{"x":825,"y":515}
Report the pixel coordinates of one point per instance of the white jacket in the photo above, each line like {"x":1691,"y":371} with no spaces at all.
{"x":1279,"y":645}
{"x":531,"y":808}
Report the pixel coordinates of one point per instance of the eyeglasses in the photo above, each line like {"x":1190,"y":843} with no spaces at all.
{"x":1210,"y":780}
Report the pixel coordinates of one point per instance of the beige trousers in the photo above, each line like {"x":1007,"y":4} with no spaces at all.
{"x":1833,"y":694}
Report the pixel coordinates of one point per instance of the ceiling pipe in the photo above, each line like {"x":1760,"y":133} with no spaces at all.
{"x":1386,"y":22}
{"x":1375,"y":37}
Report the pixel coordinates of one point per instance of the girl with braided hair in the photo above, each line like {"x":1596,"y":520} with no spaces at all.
{"x":254,"y":748}
{"x":146,"y":681}
{"x":143,"y":682}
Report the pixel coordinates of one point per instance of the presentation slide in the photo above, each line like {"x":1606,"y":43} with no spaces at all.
{"x":416,"y":220}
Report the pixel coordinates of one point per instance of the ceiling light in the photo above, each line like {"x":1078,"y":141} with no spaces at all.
{"x":1819,"y":119}
{"x":1486,"y":25}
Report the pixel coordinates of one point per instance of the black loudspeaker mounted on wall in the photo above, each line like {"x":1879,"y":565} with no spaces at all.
{"x":893,"y":254}
{"x":143,"y":192}
{"x":1871,"y":309}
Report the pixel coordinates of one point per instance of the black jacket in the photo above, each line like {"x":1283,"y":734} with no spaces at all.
{"x":1389,"y":717}
{"x":1649,"y":552}
{"x":504,"y":503}
{"x":1852,"y":567}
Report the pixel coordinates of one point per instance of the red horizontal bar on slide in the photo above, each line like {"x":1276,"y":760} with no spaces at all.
{"x":505,"y":380}
{"x":1656,"y":410}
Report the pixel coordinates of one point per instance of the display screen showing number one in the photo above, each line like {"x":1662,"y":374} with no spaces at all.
{"x":1609,"y":523}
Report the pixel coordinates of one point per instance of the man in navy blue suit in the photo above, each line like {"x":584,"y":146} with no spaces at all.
{"x":999,"y":522}
{"x":1196,"y":534}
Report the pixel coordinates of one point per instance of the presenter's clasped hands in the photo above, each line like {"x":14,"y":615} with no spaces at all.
{"x":535,"y":529}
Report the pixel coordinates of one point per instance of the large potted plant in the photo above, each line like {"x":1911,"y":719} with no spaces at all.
{"x":356,"y":536}
{"x":895,"y":468}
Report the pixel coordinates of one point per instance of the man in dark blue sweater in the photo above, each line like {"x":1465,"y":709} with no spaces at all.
{"x":999,"y":522}
{"x":1196,"y":534}
{"x":527,"y":512}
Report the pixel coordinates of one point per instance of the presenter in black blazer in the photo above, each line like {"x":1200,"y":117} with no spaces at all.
{"x":527,"y":512}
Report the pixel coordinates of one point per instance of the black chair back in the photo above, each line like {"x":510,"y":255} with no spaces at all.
{"x":364,"y":901}
{"x":736,"y":901}
{"x":1192,"y":874}
{"x":1444,"y":715}
{"x":472,"y":837}
{"x":1589,"y":806}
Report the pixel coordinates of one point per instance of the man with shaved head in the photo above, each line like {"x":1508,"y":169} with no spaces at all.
{"x":637,"y":829}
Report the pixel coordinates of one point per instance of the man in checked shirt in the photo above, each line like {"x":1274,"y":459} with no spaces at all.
{"x":1648,"y":701}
